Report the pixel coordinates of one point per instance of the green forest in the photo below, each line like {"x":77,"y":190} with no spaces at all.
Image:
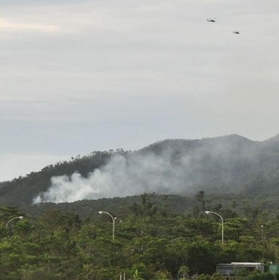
{"x":148,"y":235}
{"x":142,"y":240}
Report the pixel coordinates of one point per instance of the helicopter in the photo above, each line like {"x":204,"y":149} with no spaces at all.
{"x":236,"y":32}
{"x":211,"y":20}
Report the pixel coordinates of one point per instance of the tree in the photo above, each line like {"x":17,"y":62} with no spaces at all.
{"x":136,"y":275}
{"x":183,"y":271}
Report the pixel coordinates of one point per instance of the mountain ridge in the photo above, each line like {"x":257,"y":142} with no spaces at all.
{"x":230,"y":163}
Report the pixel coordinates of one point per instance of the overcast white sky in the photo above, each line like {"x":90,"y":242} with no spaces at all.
{"x":79,"y":76}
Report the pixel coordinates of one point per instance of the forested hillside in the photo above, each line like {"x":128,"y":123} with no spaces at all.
{"x":157,"y":197}
{"x":145,"y":240}
{"x":229,"y":164}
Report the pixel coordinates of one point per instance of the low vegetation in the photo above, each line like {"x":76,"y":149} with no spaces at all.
{"x":151,"y":241}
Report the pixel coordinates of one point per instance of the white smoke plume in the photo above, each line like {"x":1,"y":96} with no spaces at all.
{"x":180,"y":168}
{"x":120,"y":177}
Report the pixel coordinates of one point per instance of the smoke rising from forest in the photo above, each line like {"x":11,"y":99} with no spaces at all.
{"x":177,"y":167}
{"x":121,"y":176}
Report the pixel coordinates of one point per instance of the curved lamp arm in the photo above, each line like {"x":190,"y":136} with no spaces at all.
{"x":222,"y":220}
{"x":113,"y":221}
{"x":19,"y":217}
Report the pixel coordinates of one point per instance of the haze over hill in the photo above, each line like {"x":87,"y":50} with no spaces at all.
{"x":217,"y":165}
{"x":225,"y":164}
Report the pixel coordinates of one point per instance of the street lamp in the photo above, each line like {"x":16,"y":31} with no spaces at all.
{"x":113,"y":221}
{"x":222,"y":220}
{"x":19,"y":217}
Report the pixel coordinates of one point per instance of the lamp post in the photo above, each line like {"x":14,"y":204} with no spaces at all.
{"x":19,"y":217}
{"x":222,"y":220}
{"x":113,"y":221}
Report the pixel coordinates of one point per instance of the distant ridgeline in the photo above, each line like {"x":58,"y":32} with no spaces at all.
{"x":218,"y":166}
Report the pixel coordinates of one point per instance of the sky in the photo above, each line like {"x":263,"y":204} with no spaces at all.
{"x":82,"y":76}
